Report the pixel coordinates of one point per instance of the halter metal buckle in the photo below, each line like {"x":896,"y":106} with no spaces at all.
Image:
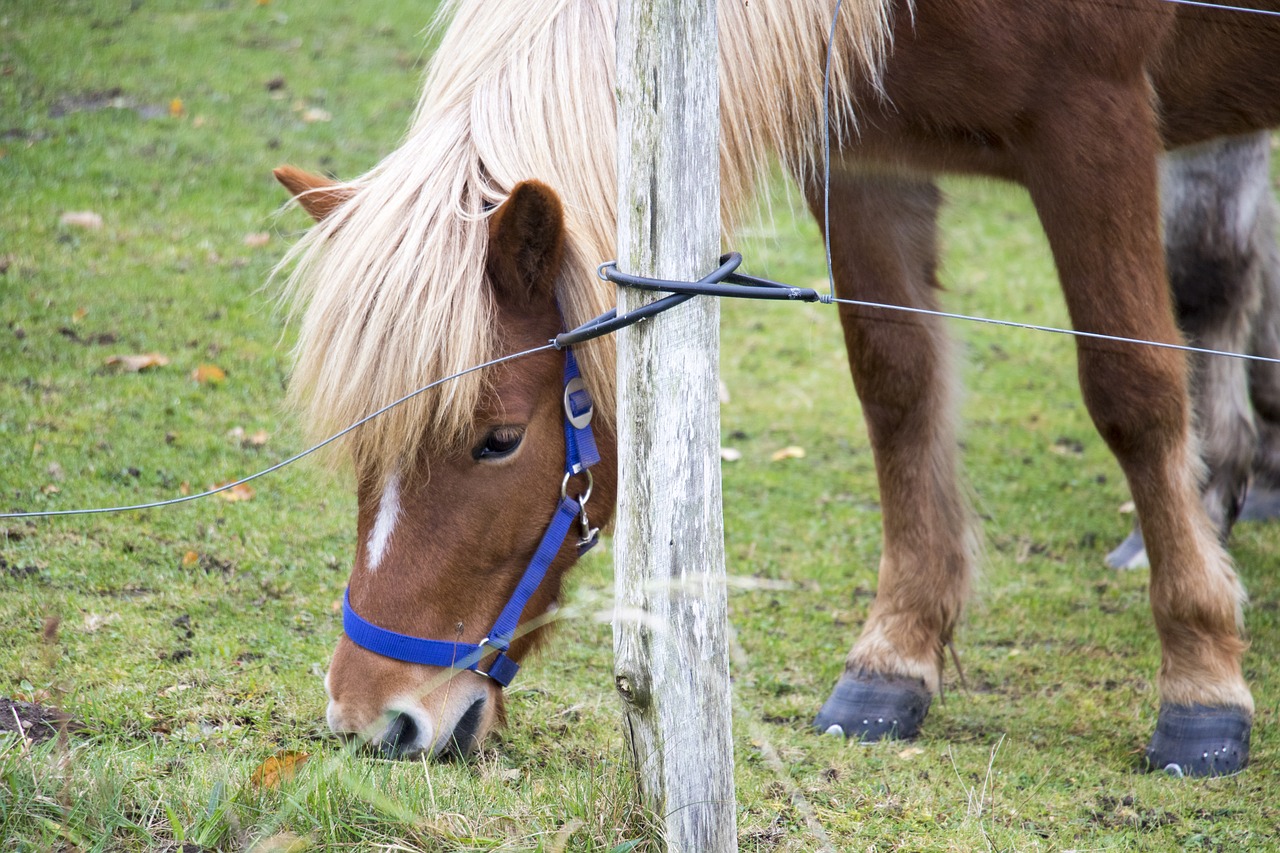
{"x":576,"y":419}
{"x":491,"y":644}
{"x":588,"y":532}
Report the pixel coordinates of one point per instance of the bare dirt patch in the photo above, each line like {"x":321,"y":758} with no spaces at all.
{"x":35,"y":723}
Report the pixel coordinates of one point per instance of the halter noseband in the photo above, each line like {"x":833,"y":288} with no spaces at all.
{"x":580,"y":455}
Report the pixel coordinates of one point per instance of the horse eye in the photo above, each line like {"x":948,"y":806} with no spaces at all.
{"x":500,"y":443}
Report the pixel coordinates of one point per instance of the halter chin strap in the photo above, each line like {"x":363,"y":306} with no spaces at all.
{"x":580,"y":455}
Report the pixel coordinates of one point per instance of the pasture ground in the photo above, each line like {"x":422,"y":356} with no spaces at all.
{"x":187,"y":645}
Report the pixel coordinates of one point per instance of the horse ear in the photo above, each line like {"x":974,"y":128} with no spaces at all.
{"x":318,"y":195}
{"x":526,"y":244}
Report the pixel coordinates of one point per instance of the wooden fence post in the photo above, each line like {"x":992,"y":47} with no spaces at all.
{"x":670,"y":630}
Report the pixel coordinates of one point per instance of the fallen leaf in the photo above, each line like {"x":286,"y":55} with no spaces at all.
{"x":209,"y":374}
{"x":136,"y":363}
{"x":910,"y":753}
{"x":82,"y":219}
{"x":792,"y":452}
{"x":283,"y":842}
{"x":184,"y":488}
{"x":730,"y":454}
{"x":238,"y":492}
{"x":281,"y":767}
{"x":38,"y":696}
{"x":255,"y":441}
{"x":311,"y":115}
{"x":50,"y":489}
{"x":94,"y":621}
{"x":189,"y":559}
{"x":79,"y":314}
{"x":257,"y":239}
{"x":176,"y":109}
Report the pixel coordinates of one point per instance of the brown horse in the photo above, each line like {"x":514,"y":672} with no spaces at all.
{"x":447,"y":254}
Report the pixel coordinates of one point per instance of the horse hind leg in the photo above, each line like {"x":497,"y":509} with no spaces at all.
{"x":1263,"y":501}
{"x":885,"y":251}
{"x":1214,"y":198}
{"x":1090,"y":162}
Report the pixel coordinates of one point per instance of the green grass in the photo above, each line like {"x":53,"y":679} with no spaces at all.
{"x":187,"y":673}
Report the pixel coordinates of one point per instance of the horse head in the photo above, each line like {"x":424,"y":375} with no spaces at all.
{"x":445,"y":540}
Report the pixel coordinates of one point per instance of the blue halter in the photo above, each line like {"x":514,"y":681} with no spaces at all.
{"x":580,"y":455}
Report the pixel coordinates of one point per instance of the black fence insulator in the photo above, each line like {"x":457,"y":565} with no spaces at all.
{"x":724,"y":282}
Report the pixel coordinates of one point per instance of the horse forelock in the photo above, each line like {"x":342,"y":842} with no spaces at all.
{"x":391,"y":286}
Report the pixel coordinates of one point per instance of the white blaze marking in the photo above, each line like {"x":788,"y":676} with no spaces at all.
{"x":385,"y":524}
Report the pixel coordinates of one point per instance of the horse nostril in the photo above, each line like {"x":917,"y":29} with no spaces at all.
{"x":466,"y":733}
{"x":399,"y":737}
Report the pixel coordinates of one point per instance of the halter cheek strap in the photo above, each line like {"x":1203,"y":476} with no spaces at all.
{"x":580,"y":455}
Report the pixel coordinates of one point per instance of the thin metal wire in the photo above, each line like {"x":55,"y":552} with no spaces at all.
{"x":291,"y":459}
{"x":1075,"y":333}
{"x":826,"y":146}
{"x":1203,"y":5}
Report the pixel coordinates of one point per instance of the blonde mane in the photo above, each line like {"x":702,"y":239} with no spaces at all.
{"x":391,"y":286}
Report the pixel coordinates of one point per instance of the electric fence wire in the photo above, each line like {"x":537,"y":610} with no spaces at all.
{"x":281,"y":464}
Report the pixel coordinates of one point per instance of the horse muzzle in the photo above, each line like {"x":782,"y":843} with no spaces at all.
{"x":449,"y":720}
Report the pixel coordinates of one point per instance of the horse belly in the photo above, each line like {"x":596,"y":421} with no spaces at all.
{"x":1220,"y":74}
{"x":966,"y":80}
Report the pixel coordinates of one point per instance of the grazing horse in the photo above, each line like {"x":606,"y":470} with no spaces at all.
{"x":481,"y":233}
{"x":1224,"y":266}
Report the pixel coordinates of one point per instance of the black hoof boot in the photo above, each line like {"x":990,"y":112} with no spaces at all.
{"x":872,"y":707}
{"x":1199,"y":740}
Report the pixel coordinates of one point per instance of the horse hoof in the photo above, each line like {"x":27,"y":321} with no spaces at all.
{"x":1199,"y":740}
{"x":1129,"y":554}
{"x":1260,"y":504}
{"x":874,"y":707}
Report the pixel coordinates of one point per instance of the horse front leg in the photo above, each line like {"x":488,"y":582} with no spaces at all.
{"x":884,"y":250}
{"x":1090,"y":162}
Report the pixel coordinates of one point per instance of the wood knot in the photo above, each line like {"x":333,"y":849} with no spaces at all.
{"x":631,"y":690}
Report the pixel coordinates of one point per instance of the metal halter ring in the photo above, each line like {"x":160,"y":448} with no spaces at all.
{"x":583,"y":498}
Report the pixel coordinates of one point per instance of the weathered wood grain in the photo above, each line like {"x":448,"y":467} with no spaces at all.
{"x":670,"y":631}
